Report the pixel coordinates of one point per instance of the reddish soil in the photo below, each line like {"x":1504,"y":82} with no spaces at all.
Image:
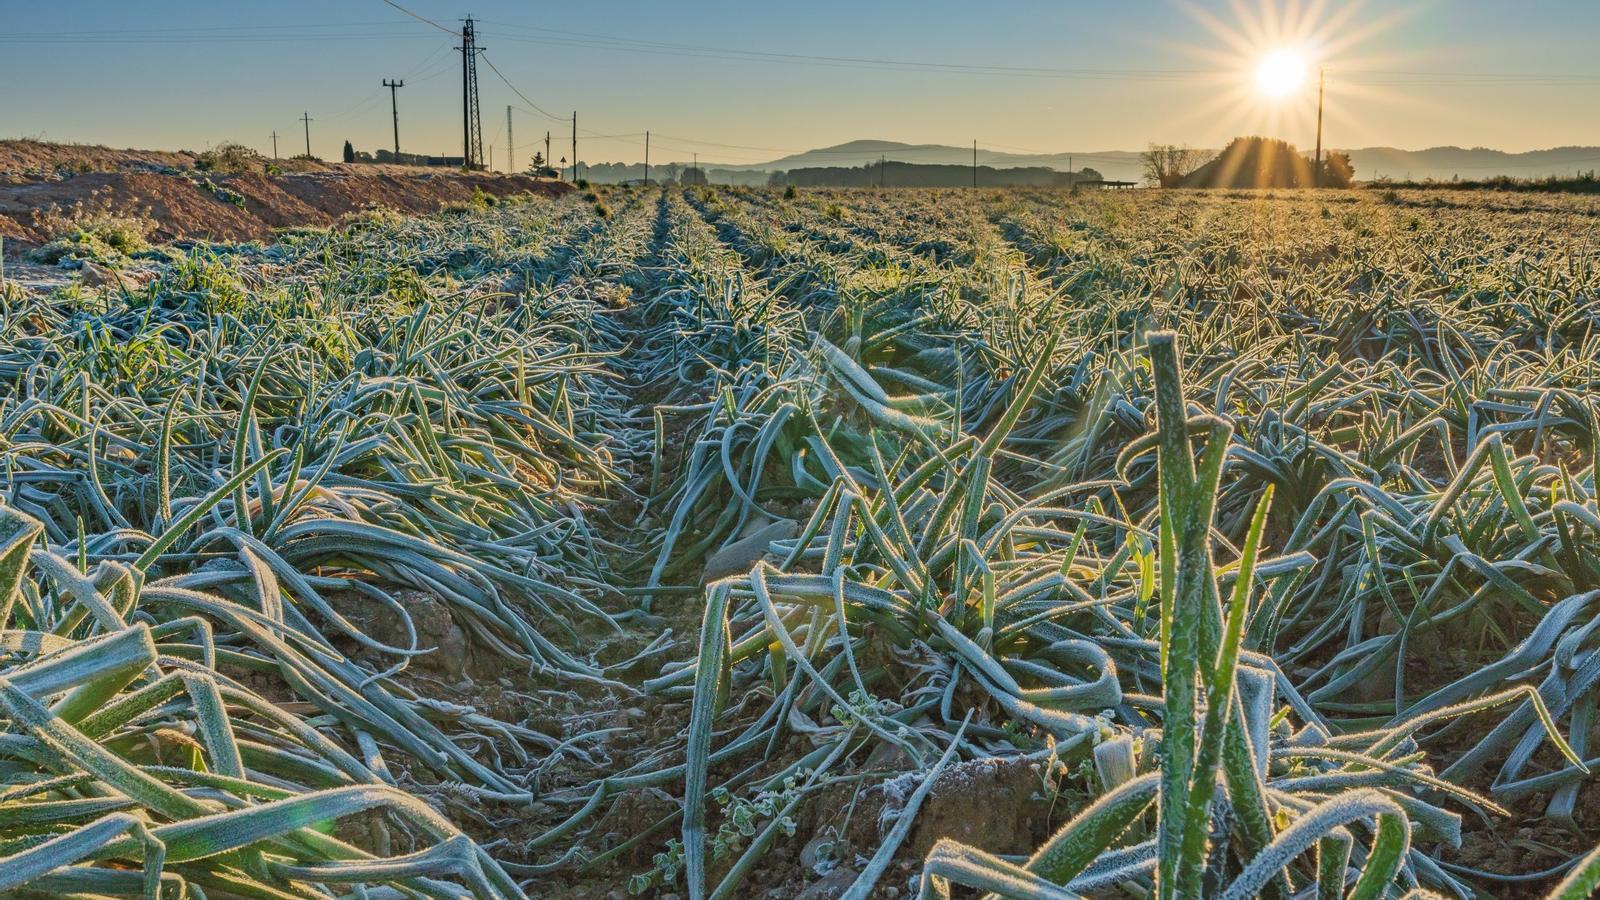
{"x":22,"y":157}
{"x":46,"y":187}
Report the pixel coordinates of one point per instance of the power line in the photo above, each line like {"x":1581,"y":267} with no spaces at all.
{"x":535,"y":108}
{"x":600,"y":41}
{"x":423,"y":19}
{"x":243,"y":37}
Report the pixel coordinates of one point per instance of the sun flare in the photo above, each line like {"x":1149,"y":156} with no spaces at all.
{"x":1281,"y":72}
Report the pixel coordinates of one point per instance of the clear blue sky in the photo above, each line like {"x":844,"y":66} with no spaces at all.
{"x":1100,"y":76}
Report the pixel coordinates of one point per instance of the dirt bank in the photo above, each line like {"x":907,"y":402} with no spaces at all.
{"x":45,"y":188}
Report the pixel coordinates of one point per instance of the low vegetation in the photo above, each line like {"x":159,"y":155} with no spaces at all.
{"x":98,"y":238}
{"x":721,"y":543}
{"x":230,"y":159}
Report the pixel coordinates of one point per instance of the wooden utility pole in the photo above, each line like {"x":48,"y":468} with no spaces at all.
{"x":882,"y":159}
{"x":974,"y":163}
{"x":547,"y":148}
{"x":511,"y":145}
{"x":1316,"y":174}
{"x":647,"y":157}
{"x":274,"y":145}
{"x":574,"y":146}
{"x":394,"y":108}
{"x":306,"y":118}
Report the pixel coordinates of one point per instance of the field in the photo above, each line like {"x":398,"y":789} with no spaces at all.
{"x":739,"y":543}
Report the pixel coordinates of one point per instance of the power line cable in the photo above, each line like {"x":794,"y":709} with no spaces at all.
{"x":536,"y":108}
{"x":424,"y":19}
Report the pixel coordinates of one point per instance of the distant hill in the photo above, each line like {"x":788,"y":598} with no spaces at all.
{"x":1444,"y":163}
{"x":1441,"y":163}
{"x":899,"y":174}
{"x":1115,"y":165}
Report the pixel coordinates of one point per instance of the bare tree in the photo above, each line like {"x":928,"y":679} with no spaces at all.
{"x":1167,"y":165}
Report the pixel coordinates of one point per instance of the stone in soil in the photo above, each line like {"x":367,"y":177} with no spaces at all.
{"x":830,"y":886}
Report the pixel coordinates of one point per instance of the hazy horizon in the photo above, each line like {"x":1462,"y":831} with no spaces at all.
{"x":746,"y":85}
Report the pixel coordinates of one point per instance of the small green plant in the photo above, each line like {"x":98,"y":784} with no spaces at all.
{"x":664,"y":871}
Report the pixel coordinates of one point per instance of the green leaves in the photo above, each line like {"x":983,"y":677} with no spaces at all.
{"x":91,"y":710}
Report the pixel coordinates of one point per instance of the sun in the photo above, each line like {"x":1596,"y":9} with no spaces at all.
{"x":1281,"y":72}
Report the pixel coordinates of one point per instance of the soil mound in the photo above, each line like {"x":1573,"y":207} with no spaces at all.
{"x":44,"y":188}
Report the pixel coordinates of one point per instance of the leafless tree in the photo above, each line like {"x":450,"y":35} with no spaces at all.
{"x":1167,"y":165}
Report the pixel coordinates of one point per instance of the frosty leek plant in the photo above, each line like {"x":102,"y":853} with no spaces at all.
{"x":125,"y":802}
{"x":1215,"y":733}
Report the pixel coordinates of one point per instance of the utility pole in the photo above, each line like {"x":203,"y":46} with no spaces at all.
{"x":1072,"y":174}
{"x":394,"y":107}
{"x":306,"y":118}
{"x":698,"y":180}
{"x":881,"y":161}
{"x":547,"y":149}
{"x":274,"y":145}
{"x":574,"y":146}
{"x":974,"y":163}
{"x":647,"y":157}
{"x":471,"y":120}
{"x":1316,"y":174}
{"x":511,"y":145}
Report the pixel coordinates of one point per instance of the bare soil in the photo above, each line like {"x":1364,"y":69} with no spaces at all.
{"x":44,"y":187}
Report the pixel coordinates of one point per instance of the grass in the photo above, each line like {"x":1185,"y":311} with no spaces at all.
{"x":1262,"y":526}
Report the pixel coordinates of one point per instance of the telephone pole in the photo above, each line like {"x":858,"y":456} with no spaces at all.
{"x":471,"y":119}
{"x":1316,"y":174}
{"x":547,"y":148}
{"x":574,"y":146}
{"x":881,"y":161}
{"x":306,"y":118}
{"x":274,"y":145}
{"x":974,"y":163}
{"x":394,"y":107}
{"x":511,"y":145}
{"x":647,"y":157}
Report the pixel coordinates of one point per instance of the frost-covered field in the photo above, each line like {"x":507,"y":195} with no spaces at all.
{"x":739,"y":543}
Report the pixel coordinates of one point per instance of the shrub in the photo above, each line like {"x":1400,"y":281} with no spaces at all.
{"x":229,"y":158}
{"x":104,"y":238}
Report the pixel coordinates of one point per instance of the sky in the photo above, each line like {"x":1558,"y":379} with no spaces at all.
{"x":742,"y":82}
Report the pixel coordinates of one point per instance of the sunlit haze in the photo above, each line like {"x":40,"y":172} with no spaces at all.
{"x":745,"y":83}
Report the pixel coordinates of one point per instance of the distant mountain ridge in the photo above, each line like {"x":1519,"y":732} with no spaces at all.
{"x":1439,"y":163}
